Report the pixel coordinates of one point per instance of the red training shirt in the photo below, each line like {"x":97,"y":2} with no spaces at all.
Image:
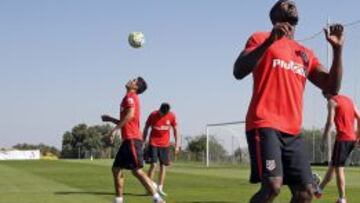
{"x":160,"y":128}
{"x":279,"y":81}
{"x":131,"y":130}
{"x":344,"y":118}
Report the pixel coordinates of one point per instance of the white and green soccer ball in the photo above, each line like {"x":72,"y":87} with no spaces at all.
{"x":136,"y":39}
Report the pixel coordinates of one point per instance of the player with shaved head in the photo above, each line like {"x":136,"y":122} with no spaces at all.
{"x":280,"y":67}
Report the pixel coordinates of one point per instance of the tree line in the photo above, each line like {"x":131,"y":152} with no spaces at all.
{"x":84,"y":141}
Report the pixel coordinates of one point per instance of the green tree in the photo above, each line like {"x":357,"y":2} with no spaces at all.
{"x":197,"y":146}
{"x":84,"y":141}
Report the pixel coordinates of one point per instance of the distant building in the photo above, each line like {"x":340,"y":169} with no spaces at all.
{"x":14,"y":154}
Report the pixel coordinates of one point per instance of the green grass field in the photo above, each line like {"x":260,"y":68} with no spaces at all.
{"x":91,"y":182}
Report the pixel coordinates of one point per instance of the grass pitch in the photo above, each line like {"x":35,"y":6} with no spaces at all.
{"x":91,"y":182}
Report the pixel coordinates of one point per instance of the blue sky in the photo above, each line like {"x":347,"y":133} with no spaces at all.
{"x":66,"y":62}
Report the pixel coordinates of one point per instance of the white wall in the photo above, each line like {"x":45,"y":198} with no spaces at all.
{"x":19,"y":154}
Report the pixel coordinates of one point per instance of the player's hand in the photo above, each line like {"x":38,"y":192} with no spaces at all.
{"x":112,"y":139}
{"x":112,"y":135}
{"x":106,"y":118}
{"x":143,"y":146}
{"x":177,"y":150}
{"x":335,"y":35}
{"x":280,"y":30}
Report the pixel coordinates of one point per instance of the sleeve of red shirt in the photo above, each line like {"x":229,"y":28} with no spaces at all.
{"x":255,"y":40}
{"x":173,"y":121}
{"x":129,"y":102}
{"x":314,"y":62}
{"x":149,"y":120}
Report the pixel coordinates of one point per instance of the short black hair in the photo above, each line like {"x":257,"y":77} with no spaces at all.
{"x":274,"y":19}
{"x":276,"y":16}
{"x":142,"y":86}
{"x":164,"y":108}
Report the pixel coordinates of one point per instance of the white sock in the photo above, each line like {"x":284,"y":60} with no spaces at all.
{"x":342,"y":199}
{"x":156,"y":196}
{"x":118,"y":200}
{"x":318,"y":189}
{"x":161,"y":187}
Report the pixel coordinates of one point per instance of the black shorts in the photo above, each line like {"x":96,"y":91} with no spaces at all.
{"x":277,"y":154}
{"x":341,"y":152}
{"x":130,"y":155}
{"x":158,"y":153}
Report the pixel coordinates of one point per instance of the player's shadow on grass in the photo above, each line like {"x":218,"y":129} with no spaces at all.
{"x":95,"y":193}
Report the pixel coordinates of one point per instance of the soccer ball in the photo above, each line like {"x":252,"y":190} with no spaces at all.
{"x":136,"y":39}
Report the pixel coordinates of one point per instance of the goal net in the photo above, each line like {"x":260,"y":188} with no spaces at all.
{"x":226,"y":143}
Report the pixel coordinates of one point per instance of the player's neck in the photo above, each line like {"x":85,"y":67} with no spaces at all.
{"x":291,"y":34}
{"x":131,"y":90}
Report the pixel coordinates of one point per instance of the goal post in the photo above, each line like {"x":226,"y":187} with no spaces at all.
{"x":219,"y":132}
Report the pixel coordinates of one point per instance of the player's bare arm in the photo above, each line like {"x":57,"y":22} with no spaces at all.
{"x":357,"y":117}
{"x":246,"y":62}
{"x":129,"y":114}
{"x":330,"y":81}
{"x":177,"y":139}
{"x":146,"y":130}
{"x":330,"y":120}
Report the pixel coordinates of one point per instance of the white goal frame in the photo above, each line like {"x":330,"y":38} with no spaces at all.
{"x":207,"y":128}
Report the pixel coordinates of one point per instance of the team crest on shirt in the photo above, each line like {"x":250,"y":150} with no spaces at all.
{"x":130,"y":100}
{"x":304,"y":58}
{"x":270,"y":165}
{"x":167,"y":122}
